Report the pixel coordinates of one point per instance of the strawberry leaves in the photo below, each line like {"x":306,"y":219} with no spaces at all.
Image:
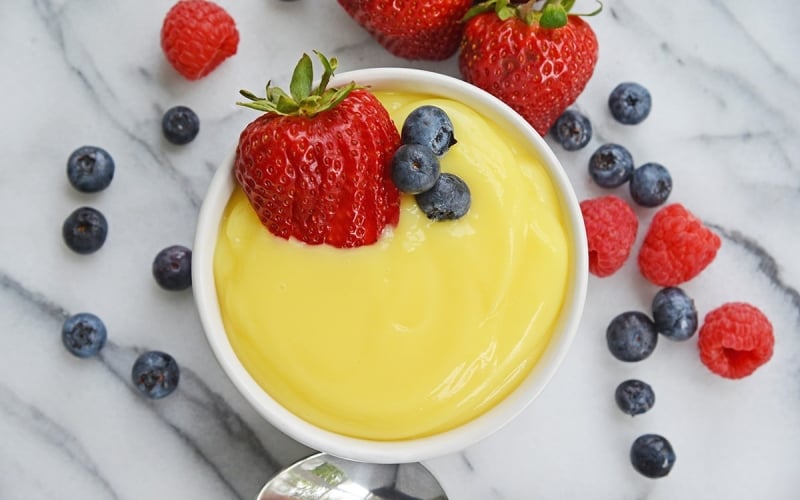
{"x":300,"y":86}
{"x":303,"y":98}
{"x":500,"y":7}
{"x":553,"y":14}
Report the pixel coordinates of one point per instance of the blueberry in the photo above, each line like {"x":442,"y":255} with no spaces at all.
{"x":85,"y":230}
{"x":429,"y":126}
{"x":83,"y":334}
{"x":652,"y":455}
{"x":172,"y":268}
{"x":90,"y":169}
{"x":629,"y":103}
{"x":634,"y":397}
{"x":631,"y":336}
{"x":611,"y":165}
{"x":155,"y":374}
{"x":674,"y":314}
{"x":572,"y":130}
{"x":415,"y":168}
{"x":448,"y":199}
{"x":180,"y":125}
{"x":650,"y":185}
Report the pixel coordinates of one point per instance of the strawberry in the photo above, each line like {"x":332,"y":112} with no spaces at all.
{"x":412,"y":29}
{"x":196,"y":36}
{"x":536,"y":61}
{"x":316,"y":165}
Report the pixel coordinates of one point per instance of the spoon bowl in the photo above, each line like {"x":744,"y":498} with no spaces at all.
{"x":326,"y":477}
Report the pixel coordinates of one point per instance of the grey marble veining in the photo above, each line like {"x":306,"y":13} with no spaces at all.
{"x":725,"y":79}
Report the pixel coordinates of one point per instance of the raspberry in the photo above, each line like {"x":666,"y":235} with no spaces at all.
{"x":611,"y":228}
{"x":735,"y":339}
{"x":677,"y":247}
{"x":197,"y":35}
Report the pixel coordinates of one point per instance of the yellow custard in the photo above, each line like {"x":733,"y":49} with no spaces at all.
{"x":422,"y":331}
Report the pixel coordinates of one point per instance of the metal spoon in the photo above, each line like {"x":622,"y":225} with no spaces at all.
{"x":325,"y":477}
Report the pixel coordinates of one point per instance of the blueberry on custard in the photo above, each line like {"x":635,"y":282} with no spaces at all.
{"x":448,"y":199}
{"x":430,"y":126}
{"x":415,"y":168}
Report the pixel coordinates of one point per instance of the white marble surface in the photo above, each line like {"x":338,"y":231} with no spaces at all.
{"x":725,"y":79}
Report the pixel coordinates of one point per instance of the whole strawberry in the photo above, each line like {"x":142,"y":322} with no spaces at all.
{"x":536,"y":61}
{"x":196,"y":36}
{"x":412,"y":29}
{"x":316,"y":165}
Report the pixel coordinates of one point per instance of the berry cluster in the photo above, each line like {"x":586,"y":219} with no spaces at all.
{"x":611,"y":165}
{"x":677,"y":246}
{"x":733,"y":340}
{"x":632,"y":336}
{"x":426,"y":135}
{"x":90,"y":169}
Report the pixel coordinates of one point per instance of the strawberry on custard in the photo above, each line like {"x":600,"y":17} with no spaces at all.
{"x":316,"y":165}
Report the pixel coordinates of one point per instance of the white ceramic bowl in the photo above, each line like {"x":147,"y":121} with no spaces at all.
{"x":220,"y":189}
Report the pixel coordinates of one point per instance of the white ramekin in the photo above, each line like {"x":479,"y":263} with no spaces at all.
{"x":219,"y":192}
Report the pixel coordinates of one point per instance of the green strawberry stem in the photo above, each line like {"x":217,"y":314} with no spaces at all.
{"x":552,"y":14}
{"x":303,"y":98}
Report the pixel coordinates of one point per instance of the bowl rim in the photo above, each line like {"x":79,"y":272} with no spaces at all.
{"x":453,"y":440}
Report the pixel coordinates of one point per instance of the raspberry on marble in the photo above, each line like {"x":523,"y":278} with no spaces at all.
{"x":611,"y":227}
{"x":197,"y":36}
{"x":677,"y":247}
{"x":735,"y":339}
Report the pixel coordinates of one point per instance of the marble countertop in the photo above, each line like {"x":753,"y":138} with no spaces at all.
{"x":725,"y":80}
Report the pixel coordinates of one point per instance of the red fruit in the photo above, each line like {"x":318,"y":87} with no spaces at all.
{"x":677,"y":247}
{"x":412,"y":29}
{"x":539,"y":71}
{"x":316,"y":165}
{"x":197,"y":35}
{"x":735,"y":339}
{"x":611,"y":227}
